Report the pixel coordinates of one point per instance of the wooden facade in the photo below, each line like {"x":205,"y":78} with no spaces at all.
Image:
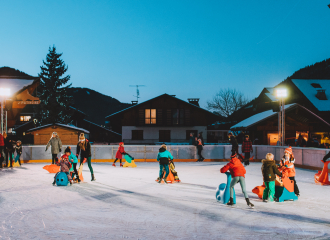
{"x":68,"y":135}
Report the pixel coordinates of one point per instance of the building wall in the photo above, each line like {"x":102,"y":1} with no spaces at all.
{"x":151,"y":134}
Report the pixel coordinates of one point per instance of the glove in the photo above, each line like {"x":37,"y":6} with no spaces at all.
{"x":286,"y":166}
{"x":85,"y":160}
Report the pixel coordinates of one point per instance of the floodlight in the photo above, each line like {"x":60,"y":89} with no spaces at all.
{"x":281,"y":93}
{"x":5,"y":92}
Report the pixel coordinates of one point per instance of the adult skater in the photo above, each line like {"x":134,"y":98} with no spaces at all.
{"x":55,"y":144}
{"x":84,"y":148}
{"x":237,"y":172}
{"x":287,"y":166}
{"x":199,"y":151}
{"x":246,"y":149}
{"x":9,"y":150}
{"x":2,"y":150}
{"x":163,"y":159}
{"x":234,"y":144}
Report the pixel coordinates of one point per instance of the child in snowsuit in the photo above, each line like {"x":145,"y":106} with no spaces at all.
{"x":18,"y":149}
{"x":237,"y":172}
{"x":287,"y":166}
{"x":246,"y":149}
{"x":74,"y":161}
{"x":163,"y":158}
{"x":175,"y":173}
{"x":269,"y":169}
{"x":65,"y":167}
{"x":119,"y":154}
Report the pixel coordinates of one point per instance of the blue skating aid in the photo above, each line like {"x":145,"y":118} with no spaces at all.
{"x":223,"y":191}
{"x":283,"y":194}
{"x":62,"y":179}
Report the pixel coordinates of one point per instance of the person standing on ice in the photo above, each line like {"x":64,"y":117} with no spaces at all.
{"x":163,"y":159}
{"x":55,"y":144}
{"x":288,"y":169}
{"x":2,"y":149}
{"x":119,"y":154}
{"x":84,"y":148}
{"x":234,"y":144}
{"x":199,"y":150}
{"x":237,"y":171}
{"x":269,"y":169}
{"x":247,"y":149}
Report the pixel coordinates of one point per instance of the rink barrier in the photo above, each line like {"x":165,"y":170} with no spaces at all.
{"x":308,"y":158}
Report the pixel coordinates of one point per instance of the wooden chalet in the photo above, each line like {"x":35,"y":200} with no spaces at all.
{"x":162,"y":119}
{"x":263,"y":127}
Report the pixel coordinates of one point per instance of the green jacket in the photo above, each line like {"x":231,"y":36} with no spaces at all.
{"x":55,"y":145}
{"x":269,"y":169}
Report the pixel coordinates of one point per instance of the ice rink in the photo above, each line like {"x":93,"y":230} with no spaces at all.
{"x":127,"y":203}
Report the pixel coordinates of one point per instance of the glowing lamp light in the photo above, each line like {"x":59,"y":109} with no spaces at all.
{"x":281,"y":93}
{"x":5,"y":92}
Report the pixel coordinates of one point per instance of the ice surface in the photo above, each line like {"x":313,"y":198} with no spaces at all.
{"x":127,"y":203}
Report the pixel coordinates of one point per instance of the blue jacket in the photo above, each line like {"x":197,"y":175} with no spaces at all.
{"x":163,"y":156}
{"x":73,"y":158}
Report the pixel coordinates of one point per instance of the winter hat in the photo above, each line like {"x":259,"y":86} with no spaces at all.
{"x":234,"y":155}
{"x":246,"y":136}
{"x":288,"y":150}
{"x":82,"y":137}
{"x":19,"y":141}
{"x":68,"y":149}
{"x":121,"y":143}
{"x":55,"y":133}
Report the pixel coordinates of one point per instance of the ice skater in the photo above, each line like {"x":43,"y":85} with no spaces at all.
{"x":269,"y":171}
{"x":199,"y":150}
{"x":287,"y":166}
{"x":74,"y":161}
{"x":55,"y":144}
{"x":65,"y":167}
{"x":247,"y":149}
{"x":237,"y":172}
{"x":119,"y":154}
{"x":234,"y":144}
{"x":163,"y":158}
{"x":18,"y":149}
{"x":84,"y":148}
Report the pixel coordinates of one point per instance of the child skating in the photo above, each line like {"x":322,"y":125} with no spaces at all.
{"x":74,"y":161}
{"x":119,"y":154}
{"x":288,"y":169}
{"x":269,"y":171}
{"x":18,"y":149}
{"x":163,"y":158}
{"x":237,"y":172}
{"x":65,"y":167}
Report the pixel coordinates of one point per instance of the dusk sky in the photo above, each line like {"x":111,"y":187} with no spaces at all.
{"x":188,"y":48}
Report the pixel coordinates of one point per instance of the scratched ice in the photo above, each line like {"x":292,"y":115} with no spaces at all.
{"x":128,"y":203}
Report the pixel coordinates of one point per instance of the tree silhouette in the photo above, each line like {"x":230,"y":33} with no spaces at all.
{"x":54,"y":100}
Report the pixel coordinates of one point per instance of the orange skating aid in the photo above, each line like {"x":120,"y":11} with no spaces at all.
{"x":259,"y":190}
{"x":52,"y":168}
{"x":322,"y":177}
{"x":170,"y":178}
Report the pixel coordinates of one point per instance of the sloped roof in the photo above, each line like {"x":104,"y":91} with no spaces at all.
{"x":60,"y":125}
{"x":165,"y":94}
{"x":268,"y":114}
{"x":305,"y":86}
{"x":103,"y":128}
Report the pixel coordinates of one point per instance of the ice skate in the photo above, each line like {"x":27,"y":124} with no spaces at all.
{"x":249,"y":203}
{"x":121,"y":164}
{"x":231,"y":202}
{"x":165,"y":180}
{"x":93,"y":178}
{"x":113,"y":164}
{"x":159,"y":180}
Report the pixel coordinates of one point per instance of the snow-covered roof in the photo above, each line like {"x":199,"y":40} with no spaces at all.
{"x":258,"y":118}
{"x":60,"y":125}
{"x":15,"y":85}
{"x":306,"y":87}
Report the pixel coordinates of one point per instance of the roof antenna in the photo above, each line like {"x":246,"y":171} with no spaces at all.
{"x":137,"y":91}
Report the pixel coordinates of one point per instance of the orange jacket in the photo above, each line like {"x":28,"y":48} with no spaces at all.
{"x":288,"y":167}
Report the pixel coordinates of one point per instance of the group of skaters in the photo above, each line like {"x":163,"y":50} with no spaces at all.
{"x":68,"y":161}
{"x":8,"y":148}
{"x":199,"y":143}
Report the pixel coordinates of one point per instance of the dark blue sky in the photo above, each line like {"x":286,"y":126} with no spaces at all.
{"x":188,"y":48}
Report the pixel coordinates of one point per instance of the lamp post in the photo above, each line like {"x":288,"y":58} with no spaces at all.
{"x":4,"y":92}
{"x":281,"y":94}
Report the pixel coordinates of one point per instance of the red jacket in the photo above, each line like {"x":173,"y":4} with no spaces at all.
{"x":246,"y":146}
{"x":2,"y":142}
{"x":120,"y":152}
{"x":235,"y":168}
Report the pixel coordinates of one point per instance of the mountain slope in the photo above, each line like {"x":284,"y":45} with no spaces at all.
{"x":96,"y":105}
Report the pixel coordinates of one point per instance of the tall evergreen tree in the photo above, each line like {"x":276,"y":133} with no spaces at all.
{"x":55,"y":102}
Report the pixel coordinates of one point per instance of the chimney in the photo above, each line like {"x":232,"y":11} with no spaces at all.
{"x":134,"y":102}
{"x":194,"y":101}
{"x":321,"y":94}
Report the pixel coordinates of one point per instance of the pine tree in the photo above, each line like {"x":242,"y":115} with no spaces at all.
{"x":55,"y":102}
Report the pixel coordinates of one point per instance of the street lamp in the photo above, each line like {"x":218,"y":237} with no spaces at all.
{"x":4,"y":92}
{"x":281,"y":94}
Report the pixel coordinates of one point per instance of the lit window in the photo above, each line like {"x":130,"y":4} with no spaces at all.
{"x":25,"y":118}
{"x":150,"y":116}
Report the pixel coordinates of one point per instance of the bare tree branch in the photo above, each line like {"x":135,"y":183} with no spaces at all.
{"x":227,"y":101}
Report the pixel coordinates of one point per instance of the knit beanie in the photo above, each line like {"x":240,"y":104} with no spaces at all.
{"x":68,"y":149}
{"x":82,"y":137}
{"x":288,"y":150}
